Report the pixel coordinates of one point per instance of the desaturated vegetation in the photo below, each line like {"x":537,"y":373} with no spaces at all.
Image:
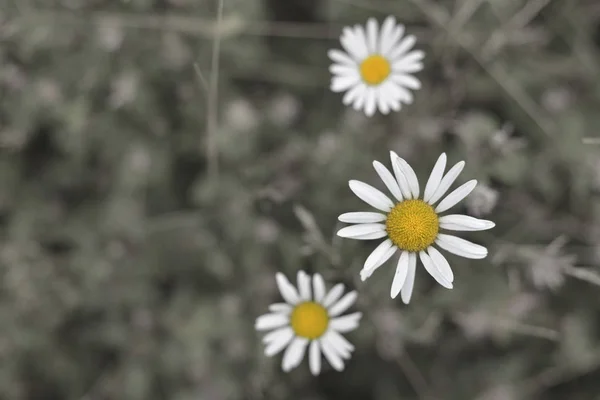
{"x":144,"y":209}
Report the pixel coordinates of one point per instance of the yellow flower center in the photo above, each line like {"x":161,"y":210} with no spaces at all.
{"x":412,"y":225}
{"x":309,"y":320}
{"x":375,"y":69}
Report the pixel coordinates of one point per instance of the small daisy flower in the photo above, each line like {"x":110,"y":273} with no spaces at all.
{"x":375,"y":68}
{"x":412,"y":224}
{"x":309,"y":318}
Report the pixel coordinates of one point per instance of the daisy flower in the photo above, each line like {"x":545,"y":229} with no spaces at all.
{"x":375,"y":68}
{"x":412,"y":224}
{"x":310,"y":317}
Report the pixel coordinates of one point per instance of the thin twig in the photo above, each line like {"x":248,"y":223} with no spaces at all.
{"x":549,"y":377}
{"x":517,"y":22}
{"x":228,"y":27}
{"x":441,"y":18}
{"x":591,"y":140}
{"x":212,"y":113}
{"x":413,"y":375}
{"x":201,"y":79}
{"x":514,"y":326}
{"x":584,"y":274}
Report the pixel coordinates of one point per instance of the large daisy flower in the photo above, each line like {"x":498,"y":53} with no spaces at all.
{"x":310,"y":317}
{"x":375,"y":69}
{"x":412,"y":224}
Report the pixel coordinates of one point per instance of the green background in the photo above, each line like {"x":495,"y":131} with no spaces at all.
{"x":140,"y":238}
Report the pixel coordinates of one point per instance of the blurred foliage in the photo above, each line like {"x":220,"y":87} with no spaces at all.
{"x":128,"y":271}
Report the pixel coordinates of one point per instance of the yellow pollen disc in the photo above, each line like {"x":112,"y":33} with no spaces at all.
{"x":412,"y":225}
{"x":309,"y":320}
{"x":375,"y":69}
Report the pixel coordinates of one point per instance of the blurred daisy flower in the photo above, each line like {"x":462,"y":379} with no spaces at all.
{"x":309,"y":318}
{"x":412,"y":224}
{"x":375,"y":68}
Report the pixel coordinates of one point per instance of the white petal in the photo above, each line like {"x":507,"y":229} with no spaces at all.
{"x":314,"y":358}
{"x":354,"y":42}
{"x":388,"y":91}
{"x":344,"y":70}
{"x":413,"y":57}
{"x":409,"y":174}
{"x":402,"y":181}
{"x":404,"y":68}
{"x":354,"y":94}
{"x":391,"y":38}
{"x":385,"y":34}
{"x":400,"y":275}
{"x":341,"y":345}
{"x":380,"y":255}
{"x":382,"y":103}
{"x":456,"y":196}
{"x":334,"y":294}
{"x":447,"y":181}
{"x":403,"y":94}
{"x":359,"y":102}
{"x":318,"y":287}
{"x":461,"y":247}
{"x":281,"y":308}
{"x":441,"y":263}
{"x":361,"y":38}
{"x":396,"y":105}
{"x":330,"y":354}
{"x":370,"y":102}
{"x":458,"y":222}
{"x":346,"y":323}
{"x":407,"y":288}
{"x":407,"y":81}
{"x":343,"y":304}
{"x":435,"y":178}
{"x":270,"y":321}
{"x":343,"y":83}
{"x":278,"y":334}
{"x":304,"y":286}
{"x":389,"y":180}
{"x":405,"y":45}
{"x":433,"y":271}
{"x":293,"y":354}
{"x":278,"y":343}
{"x":372,"y":35}
{"x":287,"y":290}
{"x":362,"y":217}
{"x":361,"y":230}
{"x":371,"y":196}
{"x":341,"y":57}
{"x":371,"y":236}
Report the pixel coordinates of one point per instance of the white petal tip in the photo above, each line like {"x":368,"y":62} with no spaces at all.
{"x":344,"y":234}
{"x":479,"y":256}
